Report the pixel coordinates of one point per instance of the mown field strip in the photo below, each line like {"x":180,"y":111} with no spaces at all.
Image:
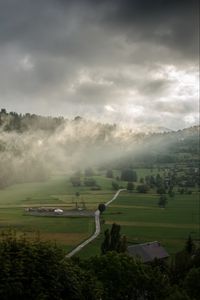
{"x":37,"y":205}
{"x":133,"y":206}
{"x":151,"y":224}
{"x":64,"y":238}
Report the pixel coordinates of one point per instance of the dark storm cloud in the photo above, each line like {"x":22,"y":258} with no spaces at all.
{"x":88,"y":56}
{"x":57,"y":26}
{"x":167,"y":22}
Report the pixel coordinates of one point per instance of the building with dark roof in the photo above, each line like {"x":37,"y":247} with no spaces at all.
{"x":147,"y":252}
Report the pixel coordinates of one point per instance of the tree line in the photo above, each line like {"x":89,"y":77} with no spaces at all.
{"x":12,"y":121}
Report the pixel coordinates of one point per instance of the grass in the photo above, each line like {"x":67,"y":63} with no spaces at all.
{"x":140,"y":217}
{"x":55,"y":192}
{"x":67,"y":231}
{"x":142,"y":220}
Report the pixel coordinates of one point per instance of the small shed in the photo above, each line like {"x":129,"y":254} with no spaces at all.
{"x":147,"y":252}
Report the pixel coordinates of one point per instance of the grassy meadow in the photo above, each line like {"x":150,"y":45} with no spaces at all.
{"x":142,"y":220}
{"x":138,"y":214}
{"x":56,"y":192}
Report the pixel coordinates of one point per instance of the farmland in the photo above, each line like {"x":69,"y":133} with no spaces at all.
{"x":56,"y":192}
{"x":142,"y":220}
{"x":139,"y":215}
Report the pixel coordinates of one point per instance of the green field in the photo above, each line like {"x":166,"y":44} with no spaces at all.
{"x":140,"y":217}
{"x":142,"y":220}
{"x":56,"y":192}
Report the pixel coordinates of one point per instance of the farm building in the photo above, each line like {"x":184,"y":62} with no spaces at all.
{"x":147,"y":252}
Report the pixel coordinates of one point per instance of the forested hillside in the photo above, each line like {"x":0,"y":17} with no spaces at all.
{"x":33,"y":147}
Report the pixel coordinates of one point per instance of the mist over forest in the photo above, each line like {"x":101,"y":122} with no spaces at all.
{"x":34,"y":147}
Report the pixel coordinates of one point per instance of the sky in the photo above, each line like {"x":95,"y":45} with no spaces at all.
{"x":131,"y":62}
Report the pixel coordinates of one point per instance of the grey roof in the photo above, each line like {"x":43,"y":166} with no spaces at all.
{"x":148,"y":251}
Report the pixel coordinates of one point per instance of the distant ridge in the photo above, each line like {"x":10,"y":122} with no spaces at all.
{"x":12,"y":120}
{"x":162,"y":129}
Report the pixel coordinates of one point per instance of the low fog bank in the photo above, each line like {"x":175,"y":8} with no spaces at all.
{"x":39,"y":146}
{"x":34,"y":147}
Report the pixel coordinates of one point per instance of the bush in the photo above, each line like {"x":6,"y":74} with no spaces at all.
{"x":143,"y":188}
{"x":101,"y":207}
{"x":75,"y":181}
{"x":90,"y":182}
{"x":128,"y":175}
{"x":115,"y":185}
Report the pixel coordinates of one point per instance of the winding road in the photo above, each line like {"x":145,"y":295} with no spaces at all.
{"x":97,"y":225}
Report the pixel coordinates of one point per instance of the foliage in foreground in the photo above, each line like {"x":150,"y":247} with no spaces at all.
{"x":39,"y":270}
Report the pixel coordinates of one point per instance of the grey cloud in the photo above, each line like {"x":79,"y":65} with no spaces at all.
{"x":154,"y":87}
{"x":57,"y":26}
{"x":141,"y":81}
{"x":93,"y":92}
{"x":173,"y":24}
{"x":119,"y":43}
{"x":178,"y":106}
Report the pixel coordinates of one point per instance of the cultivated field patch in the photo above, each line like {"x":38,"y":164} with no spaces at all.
{"x":64,"y":238}
{"x":151,"y":224}
{"x":133,"y":206}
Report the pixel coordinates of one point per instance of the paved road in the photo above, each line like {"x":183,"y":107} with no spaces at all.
{"x":98,"y":228}
{"x":115,"y":196}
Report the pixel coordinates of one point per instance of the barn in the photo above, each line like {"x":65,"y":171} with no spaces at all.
{"x":147,"y":252}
